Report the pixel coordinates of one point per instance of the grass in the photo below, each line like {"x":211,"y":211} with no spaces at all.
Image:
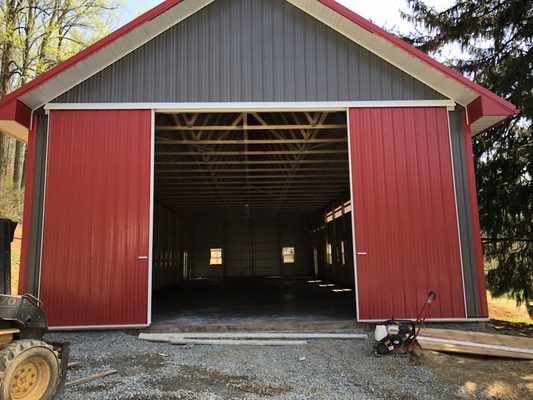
{"x":15,"y":259}
{"x":505,"y":309}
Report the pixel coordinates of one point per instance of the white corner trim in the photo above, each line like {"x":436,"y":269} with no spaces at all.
{"x":352,"y":222}
{"x":251,"y":106}
{"x":151,"y":223}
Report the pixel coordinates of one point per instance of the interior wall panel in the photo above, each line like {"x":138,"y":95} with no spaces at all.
{"x":171,"y":240}
{"x":405,"y":213}
{"x":94,"y":267}
{"x":336,"y":272}
{"x":249,"y":50}
{"x":251,"y":247}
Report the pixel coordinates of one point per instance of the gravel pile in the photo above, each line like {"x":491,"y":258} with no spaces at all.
{"x":324,"y":369}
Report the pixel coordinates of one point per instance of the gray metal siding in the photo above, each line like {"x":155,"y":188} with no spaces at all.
{"x":246,"y":51}
{"x":465,"y":217}
{"x":37,"y":209}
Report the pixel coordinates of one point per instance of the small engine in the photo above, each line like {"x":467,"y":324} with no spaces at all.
{"x":394,"y":336}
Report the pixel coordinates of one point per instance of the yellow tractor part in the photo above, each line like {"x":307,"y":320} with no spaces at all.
{"x":29,"y":370}
{"x":6,"y":336}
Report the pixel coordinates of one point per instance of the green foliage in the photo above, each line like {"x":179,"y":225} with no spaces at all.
{"x":11,"y":202}
{"x":497,"y":38}
{"x":37,"y":34}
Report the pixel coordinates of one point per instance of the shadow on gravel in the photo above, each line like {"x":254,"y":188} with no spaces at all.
{"x":197,"y":379}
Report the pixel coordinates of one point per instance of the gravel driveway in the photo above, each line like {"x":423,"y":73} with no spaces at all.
{"x":323,"y":369}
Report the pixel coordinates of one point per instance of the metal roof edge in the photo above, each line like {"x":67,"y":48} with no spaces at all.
{"x":507,"y":108}
{"x":373,"y":28}
{"x":130,"y":26}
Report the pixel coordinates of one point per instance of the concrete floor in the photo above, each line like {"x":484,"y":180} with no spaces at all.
{"x":236,"y":301}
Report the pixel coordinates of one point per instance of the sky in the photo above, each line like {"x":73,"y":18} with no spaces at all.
{"x":384,"y":13}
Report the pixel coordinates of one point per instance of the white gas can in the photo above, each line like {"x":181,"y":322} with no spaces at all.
{"x":380,"y":332}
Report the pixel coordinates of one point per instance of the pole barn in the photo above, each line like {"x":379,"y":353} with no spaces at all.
{"x":221,"y":160}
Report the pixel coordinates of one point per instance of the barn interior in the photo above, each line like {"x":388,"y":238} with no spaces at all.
{"x":252,"y":218}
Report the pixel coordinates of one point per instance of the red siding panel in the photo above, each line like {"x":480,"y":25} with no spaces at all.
{"x":96,"y":223}
{"x":405,"y":213}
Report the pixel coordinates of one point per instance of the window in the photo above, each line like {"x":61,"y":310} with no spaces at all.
{"x":329,"y":254}
{"x":216,"y":257}
{"x":185,"y":264}
{"x":288,"y":255}
{"x":343,"y":255}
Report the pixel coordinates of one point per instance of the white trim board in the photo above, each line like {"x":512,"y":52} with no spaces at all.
{"x":465,"y":320}
{"x":151,"y":223}
{"x":389,"y":52}
{"x":252,"y":106}
{"x":352,"y":217}
{"x":95,"y":327}
{"x":112,"y":52}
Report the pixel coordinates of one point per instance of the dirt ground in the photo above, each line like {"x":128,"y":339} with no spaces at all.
{"x":481,"y":377}
{"x":506,"y":310}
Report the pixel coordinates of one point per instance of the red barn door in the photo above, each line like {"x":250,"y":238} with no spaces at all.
{"x":405,"y":217}
{"x":94,"y":268}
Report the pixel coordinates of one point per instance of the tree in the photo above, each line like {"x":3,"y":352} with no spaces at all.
{"x":497,"y":38}
{"x":36,"y":35}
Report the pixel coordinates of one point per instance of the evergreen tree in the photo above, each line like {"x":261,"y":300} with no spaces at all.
{"x":497,"y":38}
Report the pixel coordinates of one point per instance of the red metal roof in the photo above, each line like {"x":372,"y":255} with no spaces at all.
{"x":498,"y":106}
{"x":147,"y":16}
{"x":506,"y":106}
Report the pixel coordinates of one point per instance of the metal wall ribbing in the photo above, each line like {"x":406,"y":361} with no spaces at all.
{"x":249,"y":50}
{"x":464,"y":215}
{"x":251,"y":247}
{"x":171,"y":240}
{"x":37,"y":209}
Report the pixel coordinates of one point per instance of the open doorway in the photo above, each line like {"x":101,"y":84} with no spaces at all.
{"x":252,"y":217}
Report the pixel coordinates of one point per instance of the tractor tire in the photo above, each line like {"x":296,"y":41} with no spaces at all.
{"x":29,"y":370}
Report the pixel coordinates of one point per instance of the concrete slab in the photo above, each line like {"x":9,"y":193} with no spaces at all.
{"x":253,"y":302}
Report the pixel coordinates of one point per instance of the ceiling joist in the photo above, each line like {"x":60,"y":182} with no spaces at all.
{"x":237,"y":163}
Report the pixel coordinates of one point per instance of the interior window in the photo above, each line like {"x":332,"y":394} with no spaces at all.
{"x":216,"y":257}
{"x":288,"y":255}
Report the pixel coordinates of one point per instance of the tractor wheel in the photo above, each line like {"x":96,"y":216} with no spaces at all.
{"x":29,"y":370}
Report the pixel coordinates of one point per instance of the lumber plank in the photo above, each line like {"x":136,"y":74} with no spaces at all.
{"x":166,"y":337}
{"x":479,"y":337}
{"x":91,"y":378}
{"x":480,"y":343}
{"x":465,"y":349}
{"x":239,"y":342}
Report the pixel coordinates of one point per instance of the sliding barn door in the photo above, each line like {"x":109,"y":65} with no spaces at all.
{"x":96,"y":223}
{"x":404,"y":213}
